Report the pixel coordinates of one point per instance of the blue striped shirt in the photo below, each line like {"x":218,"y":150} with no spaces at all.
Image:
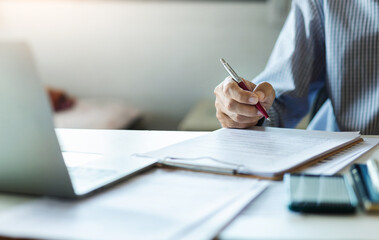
{"x":332,"y":44}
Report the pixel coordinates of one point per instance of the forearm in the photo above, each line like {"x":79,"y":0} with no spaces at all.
{"x":296,"y":68}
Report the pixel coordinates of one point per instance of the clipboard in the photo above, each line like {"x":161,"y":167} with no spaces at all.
{"x":235,"y":170}
{"x":191,"y":154}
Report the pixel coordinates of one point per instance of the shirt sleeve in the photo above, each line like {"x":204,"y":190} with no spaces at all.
{"x":296,"y":68}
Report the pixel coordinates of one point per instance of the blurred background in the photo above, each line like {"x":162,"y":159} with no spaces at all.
{"x":141,"y":64}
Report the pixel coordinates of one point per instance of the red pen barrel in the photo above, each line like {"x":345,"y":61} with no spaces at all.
{"x":243,"y":86}
{"x":258,"y":105}
{"x":261,"y":109}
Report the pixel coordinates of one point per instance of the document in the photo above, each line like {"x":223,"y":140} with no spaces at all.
{"x":333,"y":164}
{"x":260,"y":151}
{"x":159,"y":204}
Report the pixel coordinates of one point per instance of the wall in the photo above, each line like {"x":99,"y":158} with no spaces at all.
{"x":160,"y":56}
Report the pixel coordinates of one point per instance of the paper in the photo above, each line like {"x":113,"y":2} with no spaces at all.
{"x":208,"y":229}
{"x":262,"y":151}
{"x":333,"y":164}
{"x":160,"y":204}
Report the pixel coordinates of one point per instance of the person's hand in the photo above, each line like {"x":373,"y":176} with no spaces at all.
{"x":235,"y":106}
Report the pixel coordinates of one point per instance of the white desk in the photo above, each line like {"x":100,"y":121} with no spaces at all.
{"x":106,"y":142}
{"x":265,"y":218}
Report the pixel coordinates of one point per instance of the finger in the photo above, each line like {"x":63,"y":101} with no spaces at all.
{"x":265,"y":92}
{"x":232,"y":91}
{"x":236,"y":117}
{"x":233,"y":108}
{"x":227,"y":122}
{"x":244,"y":119}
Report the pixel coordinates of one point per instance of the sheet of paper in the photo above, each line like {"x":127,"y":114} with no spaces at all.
{"x":333,"y":164}
{"x":160,"y":204}
{"x":261,"y":151}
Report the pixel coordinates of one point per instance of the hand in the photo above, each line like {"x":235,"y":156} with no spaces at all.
{"x":235,"y":106}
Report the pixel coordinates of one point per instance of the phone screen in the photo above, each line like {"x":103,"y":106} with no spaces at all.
{"x":320,"y":193}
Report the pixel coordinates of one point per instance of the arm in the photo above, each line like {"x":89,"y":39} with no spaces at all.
{"x":296,"y":68}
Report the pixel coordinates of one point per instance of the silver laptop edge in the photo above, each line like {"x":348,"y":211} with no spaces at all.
{"x":31,"y":159}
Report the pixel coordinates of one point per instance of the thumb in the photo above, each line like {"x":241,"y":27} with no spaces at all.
{"x":265,"y":92}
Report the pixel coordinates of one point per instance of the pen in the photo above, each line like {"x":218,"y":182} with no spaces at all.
{"x":242,"y":85}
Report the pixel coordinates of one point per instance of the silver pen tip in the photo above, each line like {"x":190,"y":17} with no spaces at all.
{"x":268,"y":119}
{"x":222,"y":60}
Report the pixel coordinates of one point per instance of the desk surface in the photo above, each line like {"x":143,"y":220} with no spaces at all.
{"x":265,"y":218}
{"x":106,"y":142}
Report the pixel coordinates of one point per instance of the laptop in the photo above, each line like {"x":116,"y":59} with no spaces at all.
{"x":31,"y":159}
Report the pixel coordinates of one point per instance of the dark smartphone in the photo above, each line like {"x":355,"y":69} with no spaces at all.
{"x":320,"y":193}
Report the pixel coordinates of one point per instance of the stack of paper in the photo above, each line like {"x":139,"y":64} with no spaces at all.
{"x":268,"y":152}
{"x":333,"y":164}
{"x":160,"y":204}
